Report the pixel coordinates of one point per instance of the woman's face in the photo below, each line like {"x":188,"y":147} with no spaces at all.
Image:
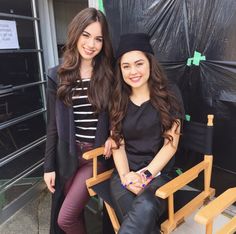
{"x":135,"y":69}
{"x":90,"y":41}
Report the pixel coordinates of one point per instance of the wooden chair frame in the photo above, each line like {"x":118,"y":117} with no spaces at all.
{"x":207,"y":214}
{"x":165,"y":192}
{"x":98,"y":178}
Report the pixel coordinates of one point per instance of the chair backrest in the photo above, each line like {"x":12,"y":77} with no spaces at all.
{"x":197,"y":136}
{"x":196,"y":140}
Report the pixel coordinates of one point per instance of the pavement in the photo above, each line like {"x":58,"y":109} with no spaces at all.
{"x":34,"y":217}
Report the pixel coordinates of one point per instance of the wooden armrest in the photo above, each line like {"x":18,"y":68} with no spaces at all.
{"x":100,"y":178}
{"x":93,"y":153}
{"x":96,"y":180}
{"x":215,"y":207}
{"x":180,"y":181}
{"x":230,"y":227}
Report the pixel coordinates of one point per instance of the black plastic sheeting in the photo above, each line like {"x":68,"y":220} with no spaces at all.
{"x":178,"y":28}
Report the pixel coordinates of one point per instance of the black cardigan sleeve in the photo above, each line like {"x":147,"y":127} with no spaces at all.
{"x":52,"y":136}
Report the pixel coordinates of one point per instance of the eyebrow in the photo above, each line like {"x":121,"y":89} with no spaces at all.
{"x":140,"y":60}
{"x":90,"y":34}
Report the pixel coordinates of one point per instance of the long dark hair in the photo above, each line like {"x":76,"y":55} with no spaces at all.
{"x":161,"y":98}
{"x":69,"y":70}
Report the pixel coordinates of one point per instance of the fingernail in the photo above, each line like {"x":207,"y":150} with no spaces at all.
{"x":131,"y":182}
{"x":143,"y":185}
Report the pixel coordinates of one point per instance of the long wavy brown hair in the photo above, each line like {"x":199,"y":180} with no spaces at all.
{"x":161,"y":98}
{"x":69,"y":70}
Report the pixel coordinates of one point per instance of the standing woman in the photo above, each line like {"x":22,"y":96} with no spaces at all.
{"x":77,"y":95}
{"x":145,"y":123}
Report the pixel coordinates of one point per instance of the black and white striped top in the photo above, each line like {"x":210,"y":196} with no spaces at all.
{"x":84,"y":116}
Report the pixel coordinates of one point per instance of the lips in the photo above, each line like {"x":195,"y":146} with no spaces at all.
{"x":88,"y":51}
{"x":135,"y":79}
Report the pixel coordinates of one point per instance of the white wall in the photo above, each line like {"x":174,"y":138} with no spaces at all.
{"x":48,"y":33}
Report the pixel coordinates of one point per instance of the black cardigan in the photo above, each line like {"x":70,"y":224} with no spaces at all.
{"x":61,"y":152}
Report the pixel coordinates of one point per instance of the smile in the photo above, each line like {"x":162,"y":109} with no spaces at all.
{"x":88,"y":51}
{"x":135,"y":79}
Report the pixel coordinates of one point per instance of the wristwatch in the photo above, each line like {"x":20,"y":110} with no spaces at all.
{"x":148,"y":174}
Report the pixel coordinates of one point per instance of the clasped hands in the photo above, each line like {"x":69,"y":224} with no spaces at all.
{"x":134,"y":182}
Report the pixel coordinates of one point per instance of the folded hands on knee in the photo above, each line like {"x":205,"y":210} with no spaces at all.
{"x":134,"y":182}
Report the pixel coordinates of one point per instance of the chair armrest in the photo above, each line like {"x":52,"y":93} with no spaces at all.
{"x":96,"y":178}
{"x":100,"y":178}
{"x":215,"y":207}
{"x":180,"y":181}
{"x":230,"y":227}
{"x":93,"y":153}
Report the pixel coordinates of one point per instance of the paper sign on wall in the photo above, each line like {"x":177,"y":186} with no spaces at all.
{"x":8,"y":35}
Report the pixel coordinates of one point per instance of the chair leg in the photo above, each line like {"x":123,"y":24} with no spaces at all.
{"x":209,"y":228}
{"x":113,"y":217}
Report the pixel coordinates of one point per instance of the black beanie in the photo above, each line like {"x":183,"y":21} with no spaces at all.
{"x":134,"y":41}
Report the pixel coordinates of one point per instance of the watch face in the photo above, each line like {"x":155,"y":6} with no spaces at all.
{"x":147,"y":173}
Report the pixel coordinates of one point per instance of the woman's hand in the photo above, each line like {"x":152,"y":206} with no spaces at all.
{"x":132,"y":178}
{"x":49,"y":178}
{"x":133,"y":182}
{"x":107,"y":148}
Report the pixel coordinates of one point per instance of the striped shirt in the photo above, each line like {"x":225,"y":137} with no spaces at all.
{"x":84,"y":116}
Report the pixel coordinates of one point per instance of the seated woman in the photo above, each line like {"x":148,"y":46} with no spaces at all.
{"x":146,"y":113}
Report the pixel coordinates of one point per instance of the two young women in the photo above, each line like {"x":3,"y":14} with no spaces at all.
{"x":144,"y":121}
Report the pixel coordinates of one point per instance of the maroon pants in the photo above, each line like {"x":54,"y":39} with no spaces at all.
{"x":71,"y":215}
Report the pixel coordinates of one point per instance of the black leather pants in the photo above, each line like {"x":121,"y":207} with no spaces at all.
{"x":138,"y":214}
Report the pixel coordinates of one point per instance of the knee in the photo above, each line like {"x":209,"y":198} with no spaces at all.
{"x":62,"y":221}
{"x":65,"y":220}
{"x":148,"y":204}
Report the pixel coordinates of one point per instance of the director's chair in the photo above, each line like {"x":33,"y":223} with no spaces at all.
{"x":196,"y":137}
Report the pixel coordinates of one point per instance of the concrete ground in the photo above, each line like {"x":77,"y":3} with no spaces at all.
{"x":34,"y":218}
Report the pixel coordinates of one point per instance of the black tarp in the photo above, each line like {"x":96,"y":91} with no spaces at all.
{"x":178,"y":28}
